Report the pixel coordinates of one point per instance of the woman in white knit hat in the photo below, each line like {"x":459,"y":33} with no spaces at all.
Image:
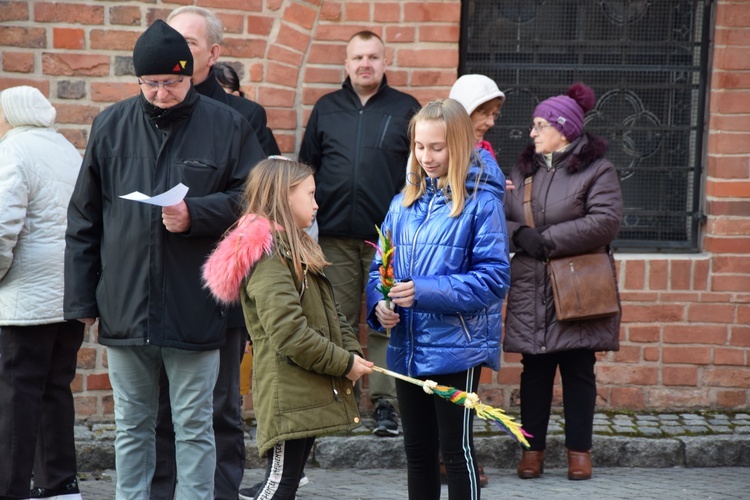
{"x":38,"y":349}
{"x":482,"y":100}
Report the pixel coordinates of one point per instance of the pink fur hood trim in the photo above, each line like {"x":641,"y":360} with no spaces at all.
{"x":235,"y":256}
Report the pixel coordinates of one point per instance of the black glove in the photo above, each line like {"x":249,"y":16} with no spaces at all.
{"x":531,"y":242}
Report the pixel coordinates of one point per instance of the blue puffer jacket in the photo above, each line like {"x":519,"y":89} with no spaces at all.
{"x":460,"y":267}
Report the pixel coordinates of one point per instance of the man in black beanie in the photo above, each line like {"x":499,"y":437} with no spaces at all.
{"x":136,"y":266}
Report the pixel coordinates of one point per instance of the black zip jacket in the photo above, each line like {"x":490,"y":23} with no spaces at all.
{"x":121,"y":264}
{"x":359,"y":155}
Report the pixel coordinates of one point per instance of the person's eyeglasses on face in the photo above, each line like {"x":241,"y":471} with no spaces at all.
{"x":538,"y":127}
{"x":154,"y":86}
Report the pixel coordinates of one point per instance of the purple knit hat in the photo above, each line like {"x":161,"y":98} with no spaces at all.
{"x":565,"y":112}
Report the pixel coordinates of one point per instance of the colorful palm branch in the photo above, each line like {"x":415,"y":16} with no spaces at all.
{"x":469,"y":400}
{"x":385,"y":249}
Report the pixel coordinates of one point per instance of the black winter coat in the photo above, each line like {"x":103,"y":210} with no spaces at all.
{"x":121,"y":264}
{"x":359,"y":154}
{"x":579,"y":199}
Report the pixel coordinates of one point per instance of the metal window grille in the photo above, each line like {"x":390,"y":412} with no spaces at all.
{"x":647,"y":61}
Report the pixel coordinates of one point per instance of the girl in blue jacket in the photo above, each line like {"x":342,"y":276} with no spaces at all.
{"x":452,"y":272}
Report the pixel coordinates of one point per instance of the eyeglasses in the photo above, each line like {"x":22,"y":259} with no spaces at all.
{"x":538,"y":127}
{"x":168,"y":85}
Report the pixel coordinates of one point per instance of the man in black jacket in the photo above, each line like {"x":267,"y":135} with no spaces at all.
{"x":136,"y":266}
{"x":203,"y":32}
{"x":357,"y":142}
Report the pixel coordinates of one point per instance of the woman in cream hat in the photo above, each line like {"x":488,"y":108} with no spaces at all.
{"x":482,"y":100}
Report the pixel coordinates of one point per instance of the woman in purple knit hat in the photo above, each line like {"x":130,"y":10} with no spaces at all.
{"x":576,"y":208}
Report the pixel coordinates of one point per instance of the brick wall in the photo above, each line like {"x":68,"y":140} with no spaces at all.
{"x":686,"y":328}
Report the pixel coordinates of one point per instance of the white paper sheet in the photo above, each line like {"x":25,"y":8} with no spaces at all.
{"x":166,"y":199}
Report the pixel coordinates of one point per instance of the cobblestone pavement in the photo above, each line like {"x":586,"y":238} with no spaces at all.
{"x":607,"y":483}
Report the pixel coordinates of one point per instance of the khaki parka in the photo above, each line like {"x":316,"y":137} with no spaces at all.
{"x":302,"y":345}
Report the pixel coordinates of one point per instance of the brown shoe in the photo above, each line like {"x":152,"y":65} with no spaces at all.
{"x":579,"y":465}
{"x":532,"y":464}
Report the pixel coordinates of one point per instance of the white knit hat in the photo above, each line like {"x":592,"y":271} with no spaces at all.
{"x":474,"y":90}
{"x":27,"y":106}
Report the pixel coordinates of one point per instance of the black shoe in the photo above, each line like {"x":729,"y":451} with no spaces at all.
{"x":68,"y":491}
{"x":386,"y":420}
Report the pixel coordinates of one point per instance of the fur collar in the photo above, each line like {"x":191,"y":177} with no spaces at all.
{"x":582,"y":153}
{"x":235,"y":256}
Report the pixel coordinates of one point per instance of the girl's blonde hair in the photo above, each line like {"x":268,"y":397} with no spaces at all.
{"x":267,"y":195}
{"x":459,"y":139}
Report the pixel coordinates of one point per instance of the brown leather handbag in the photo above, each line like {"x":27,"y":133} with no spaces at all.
{"x":583,"y":286}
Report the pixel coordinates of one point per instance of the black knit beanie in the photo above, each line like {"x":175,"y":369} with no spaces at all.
{"x":162,"y":50}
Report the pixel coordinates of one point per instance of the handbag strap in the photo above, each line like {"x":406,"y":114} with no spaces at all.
{"x":527,"y":213}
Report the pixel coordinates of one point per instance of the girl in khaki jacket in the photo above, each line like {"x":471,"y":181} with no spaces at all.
{"x":306,"y":357}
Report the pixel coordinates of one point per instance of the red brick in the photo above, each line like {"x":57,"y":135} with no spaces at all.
{"x":510,"y":358}
{"x":323,"y":75}
{"x":282,"y":74}
{"x":53,"y":12}
{"x":271,"y":96}
{"x":357,"y":11}
{"x":695,"y":334}
{"x":711,"y":313}
{"x":701,"y":270}
{"x":509,"y":375}
{"x":731,"y":58}
{"x":635,"y":274}
{"x":728,"y":207}
{"x":731,"y":283}
{"x":108,"y":405}
{"x":730,"y":80}
{"x":416,"y":12}
{"x":14,"y":11}
{"x":76,"y":113}
{"x":726,"y":244}
{"x":432,"y":78}
{"x":730,"y":188}
{"x":260,"y":25}
{"x":651,"y":353}
{"x":31,"y":38}
{"x":68,"y":38}
{"x":731,"y":399}
{"x":282,"y":119}
{"x":732,"y":14}
{"x":387,"y":12}
{"x":739,"y":336}
{"x":242,"y":5}
{"x":679,"y":274}
{"x":18,"y":62}
{"x":232,"y":23}
{"x":125,"y":15}
{"x":627,"y":375}
{"x":657,"y":274}
{"x":286,"y":142}
{"x":98,"y":382}
{"x":338,"y":33}
{"x":426,"y":94}
{"x":86,"y":359}
{"x":77,"y":137}
{"x":730,"y":123}
{"x":399,"y":78}
{"x":326,"y":53}
{"x":431,"y":58}
{"x":399,"y":34}
{"x":152,"y":14}
{"x":726,"y":377}
{"x":297,"y":40}
{"x":631,"y":398}
{"x":112,"y":91}
{"x":255,"y":72}
{"x":285,"y":55}
{"x":728,"y":227}
{"x":734,"y":143}
{"x":85,"y":406}
{"x":731,"y":264}
{"x":71,"y":64}
{"x":729,"y":167}
{"x":679,"y":398}
{"x":679,"y":375}
{"x":643,"y":333}
{"x":301,"y":15}
{"x":686,"y":355}
{"x":743,"y":315}
{"x":113,"y":39}
{"x":243,"y":47}
{"x":331,"y":11}
{"x":679,"y":297}
{"x":628,"y":354}
{"x":728,"y":356}
{"x":655,"y":313}
{"x":76,"y":385}
{"x":439,"y":33}
{"x":42,"y":85}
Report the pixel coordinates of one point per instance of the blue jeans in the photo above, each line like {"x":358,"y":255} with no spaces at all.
{"x":134,"y":373}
